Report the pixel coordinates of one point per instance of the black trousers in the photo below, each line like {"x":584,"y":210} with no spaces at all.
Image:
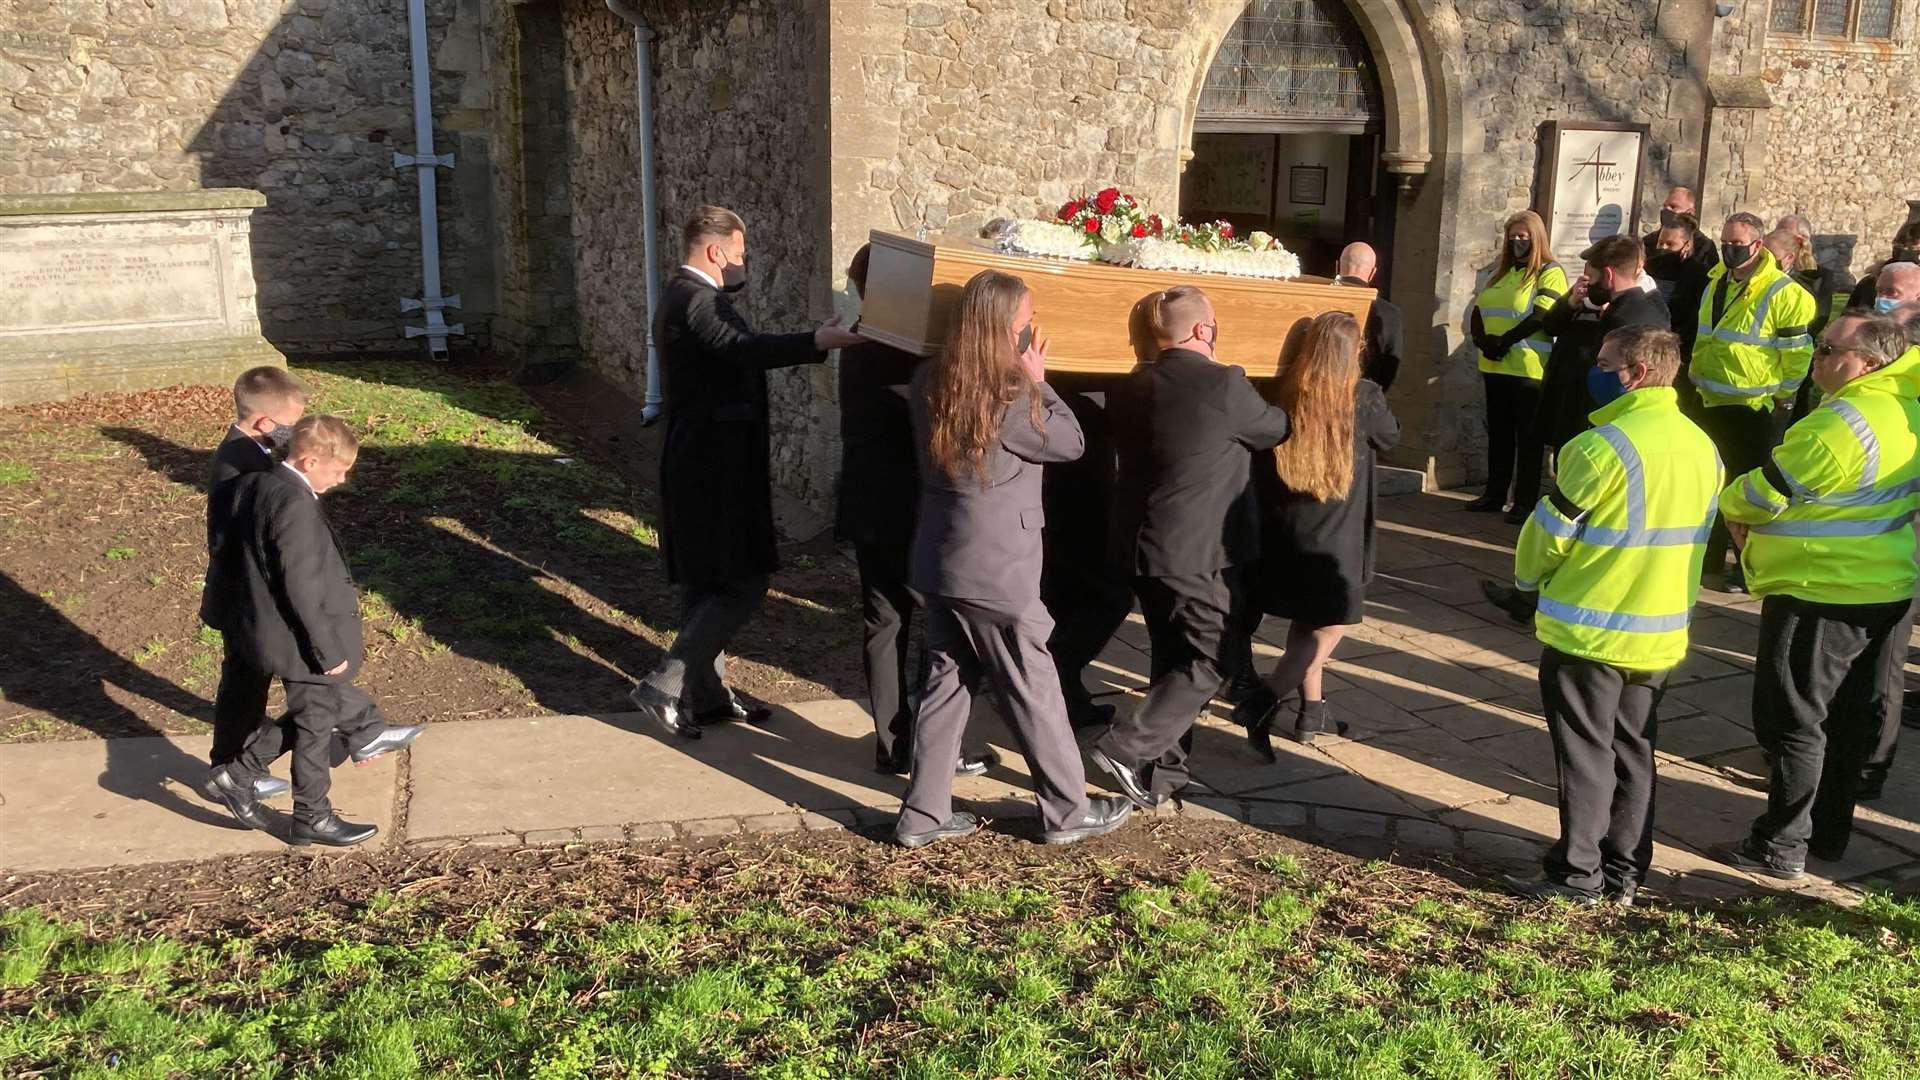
{"x":1186,"y":622}
{"x":1821,"y":690}
{"x":1603,"y":721}
{"x":695,"y":669}
{"x":887,"y":605}
{"x":967,"y":640}
{"x":1741,"y":435}
{"x":1244,"y":616}
{"x":239,"y":705}
{"x":315,"y":711}
{"x":1514,"y":453}
{"x":1087,"y":608}
{"x":1880,"y":759}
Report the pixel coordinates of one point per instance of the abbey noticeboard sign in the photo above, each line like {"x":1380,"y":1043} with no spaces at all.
{"x":1589,"y":182}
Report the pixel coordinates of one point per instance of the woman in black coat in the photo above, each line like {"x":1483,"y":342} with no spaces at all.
{"x":1317,"y":523}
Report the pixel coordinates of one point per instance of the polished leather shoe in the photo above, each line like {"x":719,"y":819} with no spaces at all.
{"x":330,"y":831}
{"x":1240,"y":687}
{"x":957,"y":826}
{"x":1546,"y":889}
{"x":1125,"y":778}
{"x":976,"y":764}
{"x":1104,"y":814}
{"x":1740,"y":857}
{"x":1313,"y":721}
{"x":1870,"y":791}
{"x":388,"y":741}
{"x":1486,"y":504}
{"x":267,"y":787}
{"x":1621,"y":893}
{"x":1090,"y":715}
{"x":664,"y":712}
{"x":239,"y":798}
{"x":735,"y":711}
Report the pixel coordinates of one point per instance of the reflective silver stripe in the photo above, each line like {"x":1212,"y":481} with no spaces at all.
{"x":1526,"y":585}
{"x":1730,"y":390}
{"x":1766,"y":303}
{"x":1871,"y":527}
{"x":1759,"y":499}
{"x":1804,"y":341}
{"x":1544,"y":345}
{"x":1677,"y":536}
{"x":1862,"y":431}
{"x":1613,"y":620}
{"x":1636,"y":478}
{"x":1869,"y":497}
{"x":1549,"y":519}
{"x":1501,"y":313}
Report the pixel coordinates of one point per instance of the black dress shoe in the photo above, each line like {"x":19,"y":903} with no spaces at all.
{"x":1104,"y":814}
{"x":663,"y":712}
{"x":239,"y":798}
{"x":330,"y":831}
{"x":1090,"y":715}
{"x":1486,"y":504}
{"x":394,"y":738}
{"x":976,"y":764}
{"x":1547,"y":889}
{"x":1518,"y":516}
{"x":735,"y":711}
{"x":267,"y":787}
{"x":1313,"y":721}
{"x":1240,"y":688}
{"x":1870,"y":790}
{"x":899,"y":764}
{"x":1742,"y":857}
{"x":1125,"y":778}
{"x":958,"y":826}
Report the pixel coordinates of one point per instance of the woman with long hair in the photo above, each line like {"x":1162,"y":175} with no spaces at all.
{"x":1317,"y":524}
{"x":984,"y":424}
{"x":1505,"y":327}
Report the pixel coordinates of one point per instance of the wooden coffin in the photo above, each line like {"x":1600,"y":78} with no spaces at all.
{"x":1082,"y":307}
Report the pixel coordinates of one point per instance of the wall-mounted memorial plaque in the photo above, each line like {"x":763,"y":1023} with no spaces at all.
{"x":1589,"y":183}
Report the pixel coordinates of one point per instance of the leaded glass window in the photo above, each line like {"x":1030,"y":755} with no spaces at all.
{"x":1292,"y":60}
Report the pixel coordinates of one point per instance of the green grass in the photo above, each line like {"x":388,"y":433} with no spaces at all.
{"x":15,"y":472}
{"x":1266,"y":974}
{"x":119,"y":554}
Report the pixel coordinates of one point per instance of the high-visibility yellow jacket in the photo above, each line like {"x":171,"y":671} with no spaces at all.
{"x":1615,"y":550}
{"x":1759,"y":350}
{"x":1830,"y":515}
{"x":1508,"y":301}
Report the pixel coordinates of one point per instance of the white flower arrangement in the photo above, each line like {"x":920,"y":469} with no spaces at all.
{"x":1030,"y":237}
{"x":1153,"y":253}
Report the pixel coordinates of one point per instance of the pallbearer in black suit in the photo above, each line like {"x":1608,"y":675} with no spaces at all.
{"x":1184,"y":514}
{"x":285,"y":591}
{"x":1359,"y":264}
{"x":716,"y":512}
{"x":984,"y":423}
{"x":267,"y":402}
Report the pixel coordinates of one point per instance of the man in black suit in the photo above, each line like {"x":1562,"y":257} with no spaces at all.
{"x":1611,"y":293}
{"x":1187,"y":427}
{"x":286,"y":595}
{"x":267,"y":402}
{"x":716,"y":496}
{"x":1359,"y":264}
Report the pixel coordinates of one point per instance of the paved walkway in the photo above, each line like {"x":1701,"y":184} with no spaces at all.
{"x":1448,"y":755}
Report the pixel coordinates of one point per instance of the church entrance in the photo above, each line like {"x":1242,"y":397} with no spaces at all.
{"x":1287,"y":135}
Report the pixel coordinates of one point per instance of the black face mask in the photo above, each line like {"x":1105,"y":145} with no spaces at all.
{"x":1669,"y":218}
{"x":1212,"y":340}
{"x":1023,"y":341}
{"x":1520,"y":247}
{"x":1664,"y":265}
{"x":280,"y":437}
{"x":1906,"y":255}
{"x":1735,"y":256}
{"x":1600,"y":293}
{"x":733,"y":276}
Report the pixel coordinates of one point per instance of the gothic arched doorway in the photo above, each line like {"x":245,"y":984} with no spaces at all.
{"x":1287,"y":133}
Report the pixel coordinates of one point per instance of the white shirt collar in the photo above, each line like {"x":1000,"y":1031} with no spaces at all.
{"x":251,"y":439}
{"x":702,"y":274}
{"x":303,"y":478}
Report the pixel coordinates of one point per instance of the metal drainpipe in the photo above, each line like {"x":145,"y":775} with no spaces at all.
{"x":423,"y":161}
{"x":643,"y":36}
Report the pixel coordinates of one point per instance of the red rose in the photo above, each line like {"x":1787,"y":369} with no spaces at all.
{"x":1140,"y":230}
{"x":1105,"y":200}
{"x":1072,"y":208}
{"x":1158,"y":225}
{"x":1130,"y":202}
{"x":1093,"y":224}
{"x":1226,"y":230}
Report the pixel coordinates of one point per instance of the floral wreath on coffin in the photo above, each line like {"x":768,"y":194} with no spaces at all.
{"x":1111,"y":226}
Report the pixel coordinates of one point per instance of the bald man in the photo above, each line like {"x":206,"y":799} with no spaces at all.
{"x":1359,"y":265}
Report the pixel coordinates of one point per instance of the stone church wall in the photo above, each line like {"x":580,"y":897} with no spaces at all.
{"x":304,"y":101}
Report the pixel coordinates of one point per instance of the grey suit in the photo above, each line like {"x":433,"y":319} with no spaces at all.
{"x":976,"y":557}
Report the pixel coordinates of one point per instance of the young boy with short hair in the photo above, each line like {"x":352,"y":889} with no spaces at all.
{"x":293,"y":611}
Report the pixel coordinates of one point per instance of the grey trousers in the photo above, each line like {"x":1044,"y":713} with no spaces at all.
{"x":1603,"y":721}
{"x":1009,"y":646}
{"x":711,"y":613}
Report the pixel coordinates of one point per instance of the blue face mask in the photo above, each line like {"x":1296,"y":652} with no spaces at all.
{"x":1604,"y":387}
{"x":1885,"y":304}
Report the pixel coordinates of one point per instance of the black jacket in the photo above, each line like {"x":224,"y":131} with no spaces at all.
{"x":284,"y":598}
{"x":236,"y":456}
{"x":1577,"y":334}
{"x":879,"y":482}
{"x":1383,"y":337}
{"x":1186,"y":428}
{"x":1682,"y":282}
{"x":1078,"y":494}
{"x":716,"y":497}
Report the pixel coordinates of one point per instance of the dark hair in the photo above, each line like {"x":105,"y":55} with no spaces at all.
{"x":1651,"y":347}
{"x":708,"y":224}
{"x":857,"y":269}
{"x":1622,"y":253}
{"x":1751,"y":221}
{"x":262,"y":389}
{"x":1908,"y":233}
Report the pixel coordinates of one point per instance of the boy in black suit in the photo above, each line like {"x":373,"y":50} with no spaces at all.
{"x":267,"y":402}
{"x":289,"y":600}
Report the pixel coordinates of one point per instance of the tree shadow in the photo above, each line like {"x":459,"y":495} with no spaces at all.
{"x":49,"y":658}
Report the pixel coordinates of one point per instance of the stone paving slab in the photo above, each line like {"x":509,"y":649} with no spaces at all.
{"x":104,"y":802}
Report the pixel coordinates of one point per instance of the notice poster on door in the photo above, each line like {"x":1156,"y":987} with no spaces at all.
{"x":1590,"y":183}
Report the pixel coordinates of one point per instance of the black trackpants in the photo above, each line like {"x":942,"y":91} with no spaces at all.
{"x":1740,"y":434}
{"x":238,"y":706}
{"x":1821,"y":691}
{"x":887,"y":605}
{"x":1514,"y":454}
{"x":1603,"y":721}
